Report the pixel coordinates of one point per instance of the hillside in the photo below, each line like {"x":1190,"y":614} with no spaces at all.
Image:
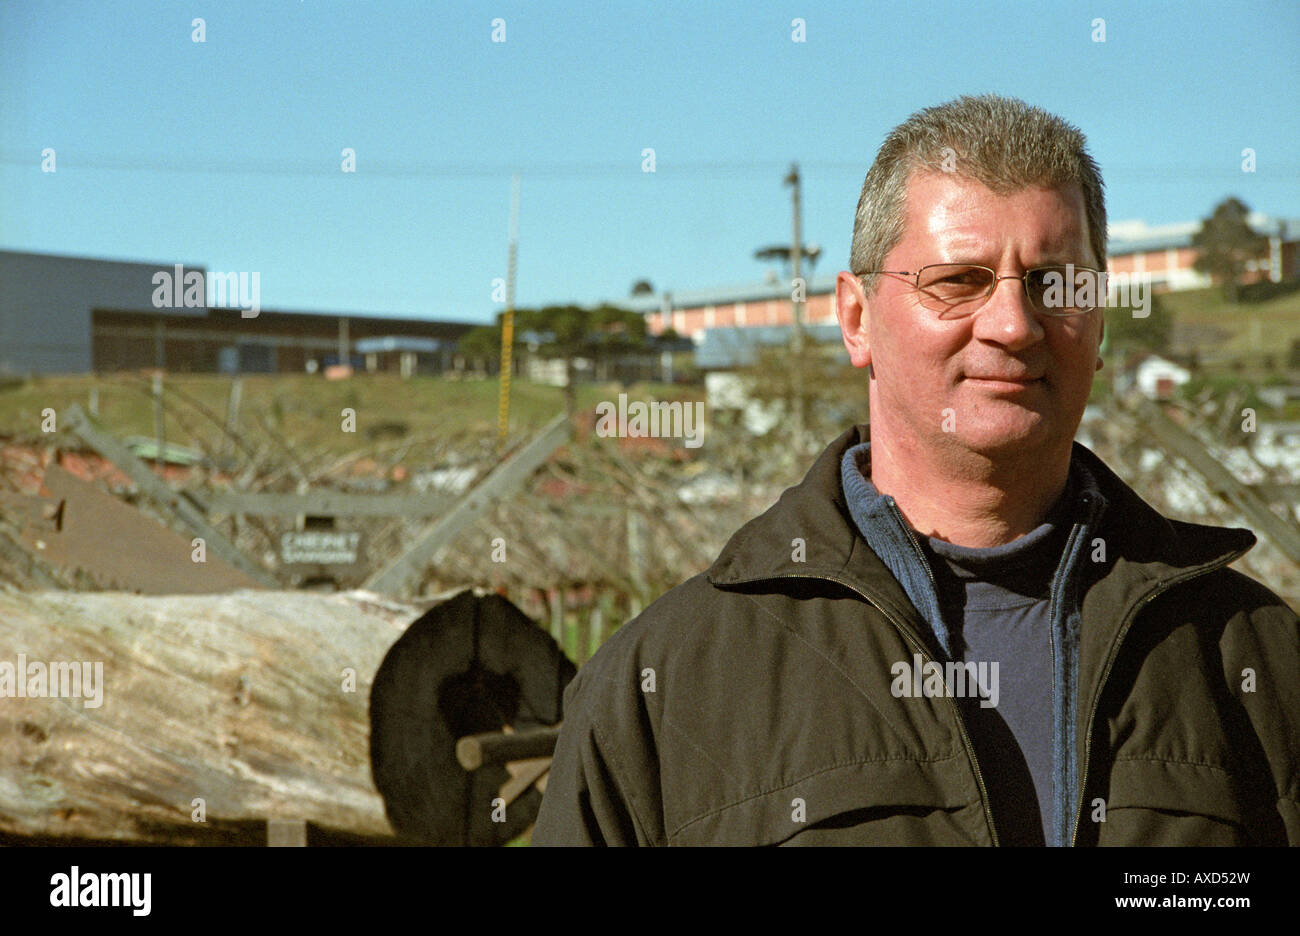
{"x":1246,"y":332}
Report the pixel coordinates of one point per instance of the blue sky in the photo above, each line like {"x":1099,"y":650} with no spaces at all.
{"x":227,"y":153}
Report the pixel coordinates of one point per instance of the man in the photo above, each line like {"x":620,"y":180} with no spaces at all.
{"x":961,"y":627}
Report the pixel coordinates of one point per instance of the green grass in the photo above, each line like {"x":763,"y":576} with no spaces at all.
{"x":1253,"y":329}
{"x":306,"y":411}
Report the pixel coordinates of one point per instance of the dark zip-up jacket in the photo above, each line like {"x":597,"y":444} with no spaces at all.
{"x":751,"y":705}
{"x":892,"y":539}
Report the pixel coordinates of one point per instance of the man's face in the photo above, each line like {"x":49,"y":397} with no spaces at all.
{"x":1006,"y":377}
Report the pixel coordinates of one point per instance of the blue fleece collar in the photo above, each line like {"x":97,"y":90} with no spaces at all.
{"x":891,"y":538}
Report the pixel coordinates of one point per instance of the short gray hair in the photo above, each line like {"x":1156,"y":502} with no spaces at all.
{"x":1004,"y":143}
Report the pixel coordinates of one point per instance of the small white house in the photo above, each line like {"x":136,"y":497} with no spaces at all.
{"x":1157,"y":378}
{"x":726,"y":390}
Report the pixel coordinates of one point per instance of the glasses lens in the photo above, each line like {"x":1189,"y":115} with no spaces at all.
{"x":1066,"y":290}
{"x":952,"y":288}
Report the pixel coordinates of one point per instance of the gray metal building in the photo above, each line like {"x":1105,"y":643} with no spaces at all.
{"x":46,"y":305}
{"x":73,"y":315}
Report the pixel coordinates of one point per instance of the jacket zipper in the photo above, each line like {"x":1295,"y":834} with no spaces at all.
{"x":915,"y":641}
{"x":1057,"y":611}
{"x":907,"y":528}
{"x":1110,"y":662}
{"x":918,"y":648}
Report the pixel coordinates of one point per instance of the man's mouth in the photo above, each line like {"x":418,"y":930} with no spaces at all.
{"x":1004,"y":381}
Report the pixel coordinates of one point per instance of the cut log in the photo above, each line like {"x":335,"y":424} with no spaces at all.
{"x":469,"y":666}
{"x":242,"y":700}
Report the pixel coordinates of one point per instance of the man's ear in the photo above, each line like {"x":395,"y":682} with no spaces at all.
{"x":851,"y":310}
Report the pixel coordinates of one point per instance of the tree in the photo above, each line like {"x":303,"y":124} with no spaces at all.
{"x":572,"y":332}
{"x":1226,"y":243}
{"x":482,"y":345}
{"x":482,"y":341}
{"x":569,"y":332}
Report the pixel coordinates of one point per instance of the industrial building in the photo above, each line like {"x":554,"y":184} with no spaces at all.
{"x":70,"y":315}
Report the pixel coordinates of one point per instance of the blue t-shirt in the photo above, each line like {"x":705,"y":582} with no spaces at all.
{"x":996,"y":603}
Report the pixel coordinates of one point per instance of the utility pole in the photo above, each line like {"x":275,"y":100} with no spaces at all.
{"x":159,"y":416}
{"x":508,"y":319}
{"x":159,"y":422}
{"x":798,"y":292}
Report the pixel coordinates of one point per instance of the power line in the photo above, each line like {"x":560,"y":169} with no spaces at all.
{"x":664,"y":167}
{"x":386,"y":169}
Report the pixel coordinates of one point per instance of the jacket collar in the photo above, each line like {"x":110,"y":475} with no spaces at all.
{"x":1141,"y":546}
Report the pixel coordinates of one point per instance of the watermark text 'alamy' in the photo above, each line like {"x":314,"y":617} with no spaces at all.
{"x":195,"y":289}
{"x":655,"y":419}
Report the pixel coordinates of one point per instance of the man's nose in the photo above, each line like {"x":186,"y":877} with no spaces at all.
{"x":1008,"y":318}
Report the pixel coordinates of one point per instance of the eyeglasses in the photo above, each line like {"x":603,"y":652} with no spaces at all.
{"x":956,"y":290}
